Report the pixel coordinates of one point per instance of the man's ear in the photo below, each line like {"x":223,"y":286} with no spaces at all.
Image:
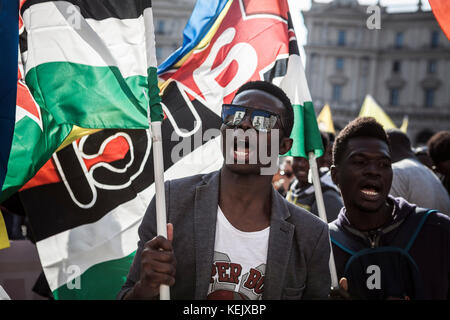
{"x":334,"y":175}
{"x":285,"y":145}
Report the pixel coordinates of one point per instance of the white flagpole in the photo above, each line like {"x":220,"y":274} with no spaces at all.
{"x":322,"y":213}
{"x":158,"y":161}
{"x":161,"y":221}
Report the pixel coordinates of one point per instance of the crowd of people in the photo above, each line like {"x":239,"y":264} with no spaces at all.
{"x":237,"y":234}
{"x":420,"y":175}
{"x":412,"y":184}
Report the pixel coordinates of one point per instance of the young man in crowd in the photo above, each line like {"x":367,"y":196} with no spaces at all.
{"x":390,"y":229}
{"x":284,"y":177}
{"x":233,"y":235}
{"x":302,"y":192}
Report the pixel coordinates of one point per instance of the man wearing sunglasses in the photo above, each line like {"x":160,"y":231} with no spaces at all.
{"x":230,"y":234}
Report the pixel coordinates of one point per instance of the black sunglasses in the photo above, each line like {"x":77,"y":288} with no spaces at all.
{"x":262,"y":120}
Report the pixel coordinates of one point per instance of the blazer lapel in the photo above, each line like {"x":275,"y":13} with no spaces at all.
{"x":280,"y":244}
{"x":205,"y":217}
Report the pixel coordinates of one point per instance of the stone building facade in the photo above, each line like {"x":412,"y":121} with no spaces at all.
{"x":404,"y":65}
{"x":170,"y":18}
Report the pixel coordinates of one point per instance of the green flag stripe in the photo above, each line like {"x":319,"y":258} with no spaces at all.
{"x":313,"y":141}
{"x":31,"y":148}
{"x":92,"y":97}
{"x":75,"y":94}
{"x":101,"y":281}
{"x":305,"y":132}
{"x":156,"y":111}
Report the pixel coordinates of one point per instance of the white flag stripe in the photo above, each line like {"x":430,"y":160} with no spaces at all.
{"x":150,"y":38}
{"x":294,"y":83}
{"x":54,"y":35}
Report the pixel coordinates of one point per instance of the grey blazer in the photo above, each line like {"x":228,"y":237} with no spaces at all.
{"x":298,"y":253}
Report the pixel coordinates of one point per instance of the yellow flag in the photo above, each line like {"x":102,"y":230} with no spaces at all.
{"x":325,"y":120}
{"x":370,"y":108}
{"x":404,"y":126}
{"x":75,"y":134}
{"x":4,"y":241}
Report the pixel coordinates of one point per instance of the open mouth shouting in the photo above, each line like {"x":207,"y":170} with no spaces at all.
{"x":244,"y":151}
{"x":241,"y":149}
{"x":370,"y":191}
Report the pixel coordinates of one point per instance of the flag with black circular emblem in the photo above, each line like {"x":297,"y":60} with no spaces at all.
{"x":83,"y":65}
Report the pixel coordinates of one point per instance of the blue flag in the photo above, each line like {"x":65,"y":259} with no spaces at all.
{"x":9,"y":35}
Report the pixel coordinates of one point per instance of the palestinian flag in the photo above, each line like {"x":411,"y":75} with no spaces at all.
{"x":84,"y":64}
{"x":305,"y":132}
{"x":86,"y":204}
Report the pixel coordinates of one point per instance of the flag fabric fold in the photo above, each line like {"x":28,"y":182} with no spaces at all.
{"x":370,"y":108}
{"x":325,"y":120}
{"x":305,"y":132}
{"x":203,"y":17}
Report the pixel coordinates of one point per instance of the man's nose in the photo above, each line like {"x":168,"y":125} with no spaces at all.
{"x":372,"y":169}
{"x":245,"y":123}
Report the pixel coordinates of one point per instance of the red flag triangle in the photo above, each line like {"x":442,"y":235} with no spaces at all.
{"x":441,"y":10}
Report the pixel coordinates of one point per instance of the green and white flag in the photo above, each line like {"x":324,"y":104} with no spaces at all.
{"x":88,"y":61}
{"x":86,"y":64}
{"x":305,"y":132}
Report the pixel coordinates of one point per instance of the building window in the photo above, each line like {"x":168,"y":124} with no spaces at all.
{"x":341,"y":37}
{"x":158,"y":53}
{"x":337,"y":92}
{"x":432,"y":66}
{"x":339,"y":64}
{"x":394,"y":97}
{"x":434,"y":39}
{"x":161,"y":27}
{"x":429,"y":98}
{"x":396,"y":66}
{"x":313,"y":63}
{"x":365,"y":65}
{"x":399,"y":40}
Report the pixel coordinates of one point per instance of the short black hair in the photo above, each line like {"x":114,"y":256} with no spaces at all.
{"x":331,"y":137}
{"x":439,"y":147}
{"x":359,"y":127}
{"x":276,"y":92}
{"x":325,"y":139}
{"x":398,"y":139}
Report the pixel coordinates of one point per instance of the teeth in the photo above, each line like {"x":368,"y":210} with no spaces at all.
{"x":241,"y":153}
{"x":370,"y":192}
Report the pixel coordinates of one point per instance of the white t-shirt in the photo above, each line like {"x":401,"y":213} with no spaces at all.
{"x":239,"y":263}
